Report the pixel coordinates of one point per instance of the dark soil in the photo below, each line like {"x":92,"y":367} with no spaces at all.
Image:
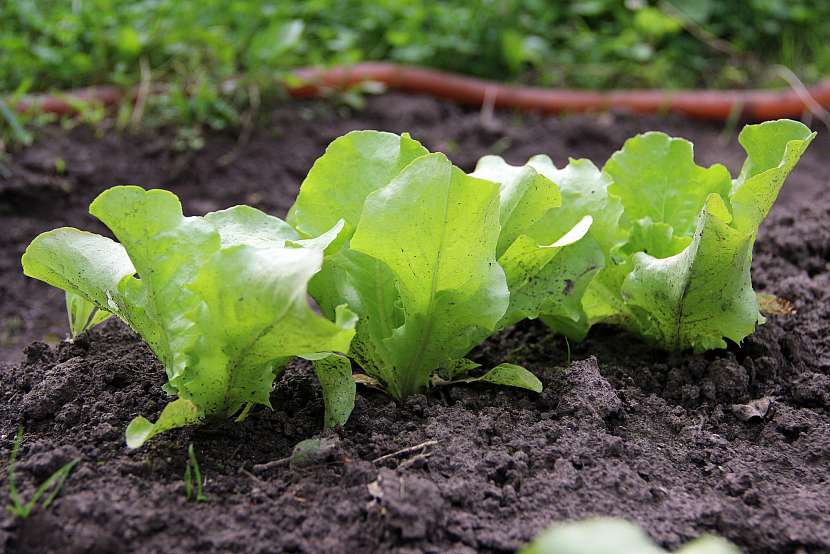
{"x":733,"y":442}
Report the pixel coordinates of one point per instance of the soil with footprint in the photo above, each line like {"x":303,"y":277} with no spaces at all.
{"x":733,"y":442}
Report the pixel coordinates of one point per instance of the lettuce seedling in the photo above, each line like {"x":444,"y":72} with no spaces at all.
{"x":676,"y":237}
{"x":83,"y":314}
{"x":416,"y":259}
{"x":605,"y":535}
{"x":220,"y":299}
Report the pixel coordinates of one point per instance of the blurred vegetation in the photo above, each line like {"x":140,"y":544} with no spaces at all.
{"x":212,"y":59}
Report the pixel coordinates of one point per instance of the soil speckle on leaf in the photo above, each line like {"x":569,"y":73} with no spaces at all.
{"x":733,"y":442}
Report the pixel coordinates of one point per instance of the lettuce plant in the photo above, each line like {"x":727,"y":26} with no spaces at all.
{"x":544,"y":245}
{"x":676,"y":238}
{"x":690,"y":244}
{"x":416,"y":260}
{"x":220,"y":299}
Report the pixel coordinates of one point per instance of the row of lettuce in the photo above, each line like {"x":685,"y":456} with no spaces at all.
{"x":413,"y":263}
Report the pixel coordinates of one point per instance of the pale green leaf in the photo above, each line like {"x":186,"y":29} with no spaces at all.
{"x":353,"y":166}
{"x":773,"y":149}
{"x":82,"y":263}
{"x":583,"y":266}
{"x":509,"y":375}
{"x":661,"y":279}
{"x":703,"y":295}
{"x":367,"y":286}
{"x":179,"y":413}
{"x":435,"y":229}
{"x":593,"y":536}
{"x":607,"y":536}
{"x":537,"y":237}
{"x":709,"y":544}
{"x":167,"y":250}
{"x":246,"y":225}
{"x":222,"y":300}
{"x":655,"y":239}
{"x":601,"y":301}
{"x":255,"y":316}
{"x":766,"y":144}
{"x":550,"y":279}
{"x":83,"y":314}
{"x":697,"y":297}
{"x":584,"y":190}
{"x":324,"y":242}
{"x":457,"y":368}
{"x":525,"y":196}
{"x":656,"y":177}
{"x":335,"y":375}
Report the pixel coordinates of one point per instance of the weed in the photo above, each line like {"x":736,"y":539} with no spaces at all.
{"x":193,"y":478}
{"x":54,"y":483}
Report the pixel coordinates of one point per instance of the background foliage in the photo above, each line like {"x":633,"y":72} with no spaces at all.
{"x":193,"y":47}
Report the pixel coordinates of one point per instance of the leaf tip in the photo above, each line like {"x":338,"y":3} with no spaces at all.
{"x":138,"y":431}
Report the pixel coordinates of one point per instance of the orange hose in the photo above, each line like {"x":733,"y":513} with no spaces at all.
{"x":708,"y":104}
{"x":66,"y":103}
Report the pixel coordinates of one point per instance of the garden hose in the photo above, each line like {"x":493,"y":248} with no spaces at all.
{"x":756,"y":104}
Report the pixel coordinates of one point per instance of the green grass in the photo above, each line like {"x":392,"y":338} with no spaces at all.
{"x":193,"y":483}
{"x":54,"y":484}
{"x":189,"y":49}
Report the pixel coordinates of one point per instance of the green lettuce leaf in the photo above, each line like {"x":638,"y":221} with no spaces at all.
{"x":649,"y":261}
{"x":435,"y":229}
{"x":525,"y":196}
{"x":353,"y":166}
{"x":697,"y":297}
{"x":773,"y":149}
{"x":167,"y":250}
{"x":543,"y":246}
{"x":339,"y":389}
{"x":254,"y":317}
{"x":657,"y":179}
{"x":222,"y":299}
{"x":83,"y":314}
{"x":81,"y":263}
{"x":178,"y":413}
{"x":585,"y":191}
{"x":607,"y":535}
{"x":510,"y":375}
{"x":246,"y":225}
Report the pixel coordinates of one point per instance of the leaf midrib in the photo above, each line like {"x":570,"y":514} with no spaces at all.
{"x":427,"y":328}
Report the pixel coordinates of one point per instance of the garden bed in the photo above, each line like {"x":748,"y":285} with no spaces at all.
{"x":677,"y":443}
